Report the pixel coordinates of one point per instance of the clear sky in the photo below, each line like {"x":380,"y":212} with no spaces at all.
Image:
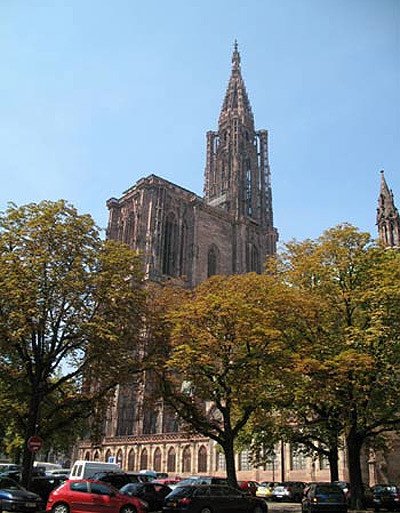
{"x":95,"y":94}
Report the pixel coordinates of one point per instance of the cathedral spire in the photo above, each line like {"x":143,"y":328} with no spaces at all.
{"x":236,"y":102}
{"x":387,"y":217}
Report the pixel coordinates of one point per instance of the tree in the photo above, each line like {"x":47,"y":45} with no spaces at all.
{"x":226,"y":358}
{"x":70,"y":313}
{"x":348,"y":365}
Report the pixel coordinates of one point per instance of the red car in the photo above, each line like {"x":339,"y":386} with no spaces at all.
{"x":91,"y":496}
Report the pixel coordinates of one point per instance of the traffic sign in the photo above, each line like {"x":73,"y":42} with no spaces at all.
{"x":34,"y":443}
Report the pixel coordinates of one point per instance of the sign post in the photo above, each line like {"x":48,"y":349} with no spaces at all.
{"x":34,"y":443}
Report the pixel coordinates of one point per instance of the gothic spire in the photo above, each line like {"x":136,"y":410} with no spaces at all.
{"x":387,"y":217}
{"x":236,"y":102}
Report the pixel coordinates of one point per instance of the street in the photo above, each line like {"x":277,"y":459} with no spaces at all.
{"x":284,"y":507}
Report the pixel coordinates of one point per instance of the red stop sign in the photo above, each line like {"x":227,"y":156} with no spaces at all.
{"x":34,"y":443}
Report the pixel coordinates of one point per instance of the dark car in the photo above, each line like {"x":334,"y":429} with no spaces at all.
{"x":212,"y":498}
{"x":324,"y":498}
{"x":44,"y":485}
{"x":290,"y":491}
{"x":386,"y":496}
{"x":152,"y":493}
{"x":202,"y":480}
{"x":13,"y":497}
{"x":116,"y":479}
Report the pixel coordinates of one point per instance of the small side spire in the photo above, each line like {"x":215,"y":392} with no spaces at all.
{"x":387,"y":218}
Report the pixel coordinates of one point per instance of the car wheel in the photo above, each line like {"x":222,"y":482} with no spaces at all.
{"x":128,"y":509}
{"x":205,"y":510}
{"x":258,"y":509}
{"x":60,"y":508}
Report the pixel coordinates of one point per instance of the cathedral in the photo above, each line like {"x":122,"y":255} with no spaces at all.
{"x":188,"y":238}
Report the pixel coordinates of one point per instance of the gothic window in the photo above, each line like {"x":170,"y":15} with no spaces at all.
{"x":170,"y":254}
{"x":87,"y":456}
{"x":187,"y":460}
{"x":297,"y":458}
{"x":212,"y":261}
{"x":202,"y":460}
{"x":120,"y":458}
{"x":253,"y":259}
{"x":96,"y":456}
{"x":171,"y":460}
{"x":220,"y":461}
{"x":108,"y":455}
{"x":249,"y":189}
{"x":183,"y":250}
{"x":244,"y":461}
{"x":157,"y":460}
{"x":143,"y":460}
{"x":131,"y":460}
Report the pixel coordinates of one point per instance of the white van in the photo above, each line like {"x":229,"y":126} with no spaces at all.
{"x":83,"y":469}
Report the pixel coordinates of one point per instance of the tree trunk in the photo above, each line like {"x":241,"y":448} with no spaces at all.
{"x":333,"y":458}
{"x":31,"y":429}
{"x":354,"y":442}
{"x":230,"y":461}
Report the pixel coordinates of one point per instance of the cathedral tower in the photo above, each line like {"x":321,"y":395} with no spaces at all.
{"x":237,"y":174}
{"x":387,"y":218}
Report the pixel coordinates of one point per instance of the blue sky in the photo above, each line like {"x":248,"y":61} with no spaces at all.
{"x":96,"y":94}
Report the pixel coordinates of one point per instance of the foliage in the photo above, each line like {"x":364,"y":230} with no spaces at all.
{"x":227,"y":358}
{"x":70,"y":313}
{"x":348,"y":367}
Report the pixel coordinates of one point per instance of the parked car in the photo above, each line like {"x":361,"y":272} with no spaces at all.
{"x":345,"y":486}
{"x":44,"y":485}
{"x":13,"y":497}
{"x":290,"y":491}
{"x":386,"y":496}
{"x":324,"y":498}
{"x":152,"y":493}
{"x":115,"y":479}
{"x":264,"y":489}
{"x":89,"y":495}
{"x":248,"y":487}
{"x":202,"y":480}
{"x":212,"y":498}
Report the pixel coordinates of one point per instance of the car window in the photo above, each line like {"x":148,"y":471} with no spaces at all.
{"x":100,"y":489}
{"x":79,"y":487}
{"x":202,"y":492}
{"x":9,"y":484}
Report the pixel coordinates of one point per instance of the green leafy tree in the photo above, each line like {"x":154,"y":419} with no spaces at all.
{"x":348,"y":368}
{"x":227,"y":359}
{"x":71,"y":310}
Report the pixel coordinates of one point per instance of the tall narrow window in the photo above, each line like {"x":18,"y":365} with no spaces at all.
{"x":202,"y":460}
{"x":183,"y":250}
{"x":171,"y":460}
{"x":187,"y":460}
{"x":212,"y":261}
{"x":253,"y":259}
{"x":131,"y":460}
{"x":143,"y":459}
{"x":157,"y":460}
{"x":170,"y":253}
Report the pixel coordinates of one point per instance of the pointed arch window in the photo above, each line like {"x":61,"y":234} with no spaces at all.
{"x":187,"y":460}
{"x":202,"y":459}
{"x":212,"y":261}
{"x":143,"y":459}
{"x":171,"y":460}
{"x":253,"y":259}
{"x":157,"y":460}
{"x":170,"y":254}
{"x":131,"y":460}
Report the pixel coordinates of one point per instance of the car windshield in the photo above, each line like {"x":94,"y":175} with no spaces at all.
{"x":9,"y":484}
{"x":330,"y":489}
{"x":181,"y":491}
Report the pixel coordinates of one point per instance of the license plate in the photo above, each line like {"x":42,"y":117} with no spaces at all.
{"x":30,"y":504}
